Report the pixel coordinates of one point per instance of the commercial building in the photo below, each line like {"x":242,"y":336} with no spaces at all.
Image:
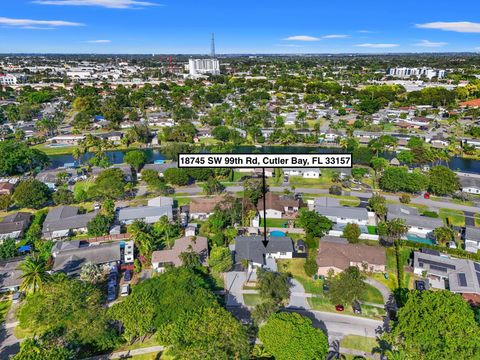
{"x":203,"y":67}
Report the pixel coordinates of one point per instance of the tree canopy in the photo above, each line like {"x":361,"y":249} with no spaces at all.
{"x":291,"y":336}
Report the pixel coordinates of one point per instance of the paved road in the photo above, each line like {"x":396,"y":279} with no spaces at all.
{"x":339,"y":325}
{"x":364,"y":196}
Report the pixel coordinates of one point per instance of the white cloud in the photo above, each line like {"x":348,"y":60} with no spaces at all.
{"x":432,"y":44}
{"x":36,"y":24}
{"x":99,"y":41}
{"x":302,"y":38}
{"x":366,"y":31}
{"x":459,"y":26}
{"x":377,"y":46}
{"x":112,"y":4}
{"x":335,"y":36}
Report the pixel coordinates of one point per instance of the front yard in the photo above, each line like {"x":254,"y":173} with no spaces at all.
{"x":455,"y":217}
{"x":357,"y":342}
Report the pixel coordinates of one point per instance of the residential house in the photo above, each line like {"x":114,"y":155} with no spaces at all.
{"x":470,"y":184}
{"x":443,"y":272}
{"x":202,"y":208}
{"x":251,"y":249}
{"x":471,"y":239}
{"x":10,"y":275}
{"x":306,"y":173}
{"x":160,"y":168}
{"x":337,"y":255}
{"x":51,"y":177}
{"x":63,"y":220}
{"x":113,"y":136}
{"x":71,"y":259}
{"x":13,"y":226}
{"x":418,"y":225}
{"x":6,"y":188}
{"x":157,"y":207}
{"x":66,"y":139}
{"x":278,"y":207}
{"x":345,"y":215}
{"x":163,"y":258}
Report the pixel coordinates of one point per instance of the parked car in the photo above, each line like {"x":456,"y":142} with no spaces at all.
{"x":112,"y":293}
{"x":339,"y":307}
{"x":127,"y":276}
{"x":125,"y":290}
{"x":17,"y":296}
{"x":426,"y":195}
{"x":356,"y":307}
{"x":325,"y":287}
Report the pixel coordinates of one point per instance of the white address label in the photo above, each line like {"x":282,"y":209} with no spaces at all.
{"x":265,"y":160}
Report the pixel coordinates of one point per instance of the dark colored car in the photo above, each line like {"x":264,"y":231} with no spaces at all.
{"x":112,"y":293}
{"x":357,"y":309}
{"x":128,"y":275}
{"x":325,"y":287}
{"x":339,"y":307}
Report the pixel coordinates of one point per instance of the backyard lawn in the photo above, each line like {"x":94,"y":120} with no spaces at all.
{"x":477,"y":220}
{"x":280,"y":223}
{"x":455,"y":217}
{"x":373,"y":295}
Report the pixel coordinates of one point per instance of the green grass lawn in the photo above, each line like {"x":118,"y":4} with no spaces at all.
{"x":151,"y":341}
{"x":180,"y":201}
{"x":324,"y":181}
{"x":152,"y":356}
{"x":455,"y":217}
{"x":373,"y":295}
{"x":80,"y":188}
{"x":477,"y":220}
{"x":252,"y":299}
{"x":294,"y":267}
{"x":323,"y":304}
{"x":280,"y":223}
{"x":56,"y":150}
{"x":356,"y":342}
{"x":345,"y":200}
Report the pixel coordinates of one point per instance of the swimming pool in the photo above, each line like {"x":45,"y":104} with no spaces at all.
{"x":277,"y":233}
{"x":419,"y":239}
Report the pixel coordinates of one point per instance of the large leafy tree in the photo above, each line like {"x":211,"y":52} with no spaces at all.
{"x":31,"y":194}
{"x":18,"y":158}
{"x":206,"y":333}
{"x":443,"y":181}
{"x":34,"y":273}
{"x":44,"y":347}
{"x":161,"y":300}
{"x":99,"y":225}
{"x":110,"y":184}
{"x":220,"y":259}
{"x":273,"y":286}
{"x":135,"y":159}
{"x":72,"y":310}
{"x":435,"y":325}
{"x":399,"y":179}
{"x":8,"y":248}
{"x":347,"y":286}
{"x":378,"y":204}
{"x":291,"y":336}
{"x":444,"y":234}
{"x":315,"y":225}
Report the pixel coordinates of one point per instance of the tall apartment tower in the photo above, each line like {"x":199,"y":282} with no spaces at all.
{"x":212,"y":47}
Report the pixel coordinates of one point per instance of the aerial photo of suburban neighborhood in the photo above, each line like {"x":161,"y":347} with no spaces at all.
{"x":252,"y":180}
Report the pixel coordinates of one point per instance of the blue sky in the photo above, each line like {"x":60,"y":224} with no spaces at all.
{"x":242,"y":26}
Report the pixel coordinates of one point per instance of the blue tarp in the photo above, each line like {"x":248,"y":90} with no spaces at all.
{"x":25,"y":248}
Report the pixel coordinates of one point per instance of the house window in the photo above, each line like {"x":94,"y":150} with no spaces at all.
{"x":283,"y":253}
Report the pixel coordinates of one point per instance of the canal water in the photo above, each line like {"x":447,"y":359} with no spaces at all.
{"x":116,"y":156}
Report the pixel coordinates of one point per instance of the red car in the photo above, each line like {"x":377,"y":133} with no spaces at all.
{"x":339,"y":307}
{"x":426,"y":195}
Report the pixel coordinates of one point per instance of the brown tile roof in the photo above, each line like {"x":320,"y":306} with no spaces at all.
{"x":471,"y":103}
{"x":6,"y":188}
{"x":341,"y":255}
{"x":199,"y":244}
{"x":274,"y":201}
{"x":205,"y":205}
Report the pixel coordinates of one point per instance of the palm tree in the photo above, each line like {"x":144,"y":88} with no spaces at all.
{"x":34,"y":273}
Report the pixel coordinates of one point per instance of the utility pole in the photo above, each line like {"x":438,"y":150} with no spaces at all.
{"x":264,"y":190}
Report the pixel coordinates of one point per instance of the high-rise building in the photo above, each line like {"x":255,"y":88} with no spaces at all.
{"x":404,"y":72}
{"x":209,"y":66}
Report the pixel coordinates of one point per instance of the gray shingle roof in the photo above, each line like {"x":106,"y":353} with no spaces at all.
{"x":65,"y":218}
{"x":71,"y":261}
{"x":411,"y":217}
{"x":141,"y":212}
{"x":251,"y":247}
{"x":343,"y":212}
